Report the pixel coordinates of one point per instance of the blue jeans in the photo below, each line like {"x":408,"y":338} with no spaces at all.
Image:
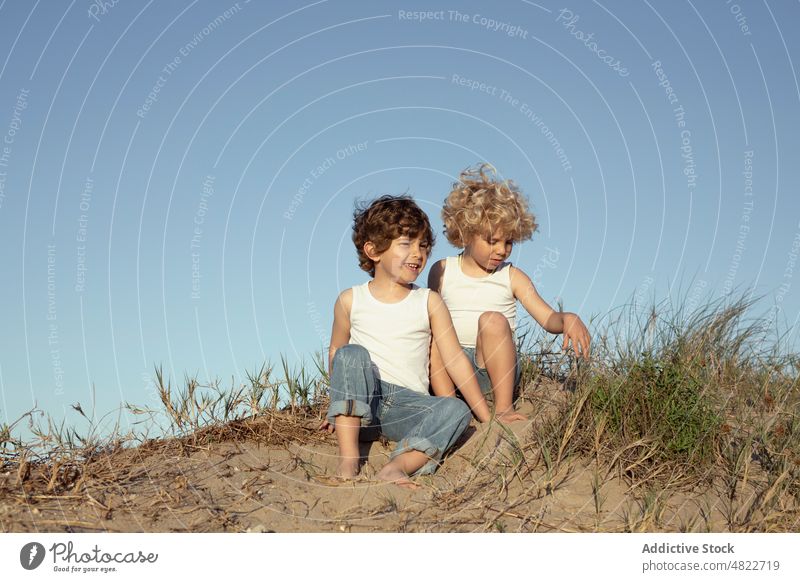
{"x":482,"y":375}
{"x":414,"y":420}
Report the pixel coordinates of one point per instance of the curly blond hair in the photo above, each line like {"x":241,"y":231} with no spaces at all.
{"x":481,"y":203}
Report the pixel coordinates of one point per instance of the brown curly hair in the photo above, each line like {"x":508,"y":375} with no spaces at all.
{"x":480,"y":203}
{"x":385,"y":219}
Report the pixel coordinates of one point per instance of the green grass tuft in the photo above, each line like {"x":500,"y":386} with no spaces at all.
{"x":662,"y":402}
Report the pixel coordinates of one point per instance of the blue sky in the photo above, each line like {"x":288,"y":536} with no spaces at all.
{"x":177,"y":179}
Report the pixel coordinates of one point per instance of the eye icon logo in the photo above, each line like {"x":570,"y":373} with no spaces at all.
{"x":31,"y":555}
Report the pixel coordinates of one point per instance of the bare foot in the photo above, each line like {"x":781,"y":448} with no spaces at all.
{"x":508,"y":416}
{"x":396,"y":476}
{"x":347,"y":469}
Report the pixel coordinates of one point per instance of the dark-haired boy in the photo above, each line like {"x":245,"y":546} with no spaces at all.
{"x":380,"y":349}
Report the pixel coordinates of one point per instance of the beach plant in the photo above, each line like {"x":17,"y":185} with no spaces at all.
{"x":656,"y":402}
{"x":598,"y":497}
{"x":683,"y":404}
{"x":658,"y":391}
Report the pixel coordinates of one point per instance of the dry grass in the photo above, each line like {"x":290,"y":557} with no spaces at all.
{"x":682,"y":422}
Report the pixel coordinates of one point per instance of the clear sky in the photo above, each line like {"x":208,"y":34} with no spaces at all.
{"x":177,"y":179}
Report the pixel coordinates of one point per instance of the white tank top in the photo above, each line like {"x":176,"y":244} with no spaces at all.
{"x":468,"y":297}
{"x":396,"y":335}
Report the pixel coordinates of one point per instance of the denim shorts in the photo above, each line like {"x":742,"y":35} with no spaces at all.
{"x":482,"y":374}
{"x":414,"y":420}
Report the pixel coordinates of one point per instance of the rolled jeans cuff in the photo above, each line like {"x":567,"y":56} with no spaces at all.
{"x":424,"y":446}
{"x":349,"y":408}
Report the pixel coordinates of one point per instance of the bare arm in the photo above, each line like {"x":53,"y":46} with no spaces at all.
{"x":553,"y":321}
{"x":340,"y":334}
{"x":457,"y":364}
{"x":441,"y":383}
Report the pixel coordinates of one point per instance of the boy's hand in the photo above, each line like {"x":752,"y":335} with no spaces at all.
{"x":510,"y":416}
{"x":566,"y":323}
{"x":326,"y":426}
{"x":576,"y":332}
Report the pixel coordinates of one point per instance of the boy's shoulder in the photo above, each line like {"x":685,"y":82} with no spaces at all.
{"x":345,"y":299}
{"x":435,"y":274}
{"x":518,"y":277}
{"x":439,"y":265}
{"x":443,"y":262}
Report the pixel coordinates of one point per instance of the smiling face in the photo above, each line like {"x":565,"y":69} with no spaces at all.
{"x":486,"y":252}
{"x":402,"y":262}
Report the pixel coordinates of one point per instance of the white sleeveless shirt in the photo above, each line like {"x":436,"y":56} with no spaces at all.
{"x":396,"y":335}
{"x":468,"y":297}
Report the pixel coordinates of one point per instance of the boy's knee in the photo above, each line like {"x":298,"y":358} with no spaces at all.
{"x":352,"y":355}
{"x":455,"y":408}
{"x":493,"y":321}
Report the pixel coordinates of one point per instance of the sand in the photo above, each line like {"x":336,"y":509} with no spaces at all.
{"x":279,"y":479}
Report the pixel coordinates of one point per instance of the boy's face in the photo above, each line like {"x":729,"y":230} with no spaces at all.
{"x":403,"y":261}
{"x":490,"y":249}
